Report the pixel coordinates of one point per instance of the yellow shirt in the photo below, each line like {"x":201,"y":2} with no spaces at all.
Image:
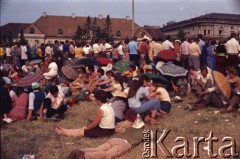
{"x":130,"y":74}
{"x":1,"y":51}
{"x":78,"y":52}
{"x":164,"y":96}
{"x":194,"y":49}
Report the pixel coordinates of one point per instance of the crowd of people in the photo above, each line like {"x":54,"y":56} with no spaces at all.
{"x":120,"y":96}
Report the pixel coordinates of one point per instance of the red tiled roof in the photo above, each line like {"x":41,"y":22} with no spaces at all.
{"x":49,"y":25}
{"x":13,"y":28}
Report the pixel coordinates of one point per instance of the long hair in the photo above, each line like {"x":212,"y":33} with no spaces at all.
{"x":134,"y":88}
{"x":19,"y":91}
{"x":119,"y":79}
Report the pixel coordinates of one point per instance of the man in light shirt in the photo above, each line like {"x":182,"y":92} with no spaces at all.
{"x":195,"y":52}
{"x":167,"y":45}
{"x":156,"y":48}
{"x":24,"y":56}
{"x":133,"y":51}
{"x":233,"y":50}
{"x":184,"y":53}
{"x":53,"y":104}
{"x":105,"y":49}
{"x":96,"y":48}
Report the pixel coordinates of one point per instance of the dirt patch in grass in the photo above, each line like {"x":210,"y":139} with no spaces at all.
{"x":38,"y":138}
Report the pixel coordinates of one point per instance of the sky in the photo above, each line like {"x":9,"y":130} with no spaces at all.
{"x":147,"y":12}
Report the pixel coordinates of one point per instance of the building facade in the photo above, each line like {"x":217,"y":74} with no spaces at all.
{"x":214,"y":25}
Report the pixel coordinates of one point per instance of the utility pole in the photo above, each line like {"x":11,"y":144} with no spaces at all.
{"x":132,"y":18}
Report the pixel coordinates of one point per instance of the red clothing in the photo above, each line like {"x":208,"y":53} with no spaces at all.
{"x":19,"y":106}
{"x":144,"y":47}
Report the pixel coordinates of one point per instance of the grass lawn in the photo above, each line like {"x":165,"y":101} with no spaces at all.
{"x":37,"y":138}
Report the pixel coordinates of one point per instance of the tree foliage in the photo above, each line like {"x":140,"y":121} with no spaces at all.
{"x":181,"y":35}
{"x":22,"y":38}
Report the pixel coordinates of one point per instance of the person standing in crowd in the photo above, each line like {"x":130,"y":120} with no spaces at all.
{"x":55,"y":47}
{"x":156,"y":48}
{"x":184,"y":53}
{"x":65,"y":52}
{"x":71,"y":50}
{"x":48,"y":50}
{"x":24,"y":56}
{"x":8,"y":54}
{"x":221,"y":57}
{"x":177,"y":52}
{"x":150,"y":51}
{"x":133,"y":50}
{"x":195,"y":52}
{"x":96,"y":49}
{"x":2,"y":54}
{"x":16,"y":55}
{"x":120,"y":50}
{"x":233,"y":50}
{"x":144,"y":48}
{"x":79,"y":50}
{"x":211,"y":55}
{"x":201,"y":42}
{"x":87,"y":49}
{"x":36,"y":98}
{"x":33,"y":52}
{"x":105,"y":49}
{"x":167,"y":45}
{"x":125,"y":48}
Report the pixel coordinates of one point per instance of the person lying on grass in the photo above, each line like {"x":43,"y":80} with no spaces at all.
{"x":102,"y":125}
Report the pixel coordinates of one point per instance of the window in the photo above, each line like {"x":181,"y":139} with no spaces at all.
{"x":209,"y":32}
{"x":220,"y":31}
{"x":205,"y":32}
{"x":232,"y":27}
{"x":31,"y":31}
{"x":60,"y":31}
{"x":118,"y":34}
{"x":36,"y":41}
{"x":143,"y":34}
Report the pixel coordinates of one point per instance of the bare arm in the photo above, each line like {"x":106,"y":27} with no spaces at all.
{"x":96,"y":120}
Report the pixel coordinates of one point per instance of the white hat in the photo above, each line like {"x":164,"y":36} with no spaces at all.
{"x":138,"y":123}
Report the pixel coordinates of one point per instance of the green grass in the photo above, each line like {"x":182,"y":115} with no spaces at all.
{"x":38,"y":138}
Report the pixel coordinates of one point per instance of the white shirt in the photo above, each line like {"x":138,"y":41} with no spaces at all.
{"x":108,"y":119}
{"x":204,"y":80}
{"x":167,"y":45}
{"x":59,"y":99}
{"x":232,"y":46}
{"x":87,"y":49}
{"x":24,"y":52}
{"x":48,"y":50}
{"x":96,"y":48}
{"x":53,"y":67}
{"x":120,"y":49}
{"x":8,"y":51}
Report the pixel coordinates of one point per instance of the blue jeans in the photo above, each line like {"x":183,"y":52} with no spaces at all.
{"x":153,"y":104}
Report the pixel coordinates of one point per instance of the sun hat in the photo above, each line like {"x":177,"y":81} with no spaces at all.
{"x":35,"y":85}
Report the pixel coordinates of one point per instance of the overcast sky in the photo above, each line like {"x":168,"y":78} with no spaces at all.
{"x":147,"y":12}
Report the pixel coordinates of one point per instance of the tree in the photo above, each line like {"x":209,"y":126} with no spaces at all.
{"x":10,"y":38}
{"x":107,"y":28}
{"x":94,"y":29}
{"x":78,"y":36}
{"x":22,"y":38}
{"x":87,"y":28}
{"x":4,"y":39}
{"x":181,"y":35}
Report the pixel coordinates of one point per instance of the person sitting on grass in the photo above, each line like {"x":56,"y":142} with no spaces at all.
{"x":131,"y":72}
{"x":79,"y":83}
{"x":53,"y":105}
{"x":162,"y":94}
{"x":102,"y":125}
{"x":36,"y":98}
{"x":137,"y":92}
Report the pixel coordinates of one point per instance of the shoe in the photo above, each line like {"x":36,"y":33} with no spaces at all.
{"x":33,"y":118}
{"x":8,"y":120}
{"x":138,"y":123}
